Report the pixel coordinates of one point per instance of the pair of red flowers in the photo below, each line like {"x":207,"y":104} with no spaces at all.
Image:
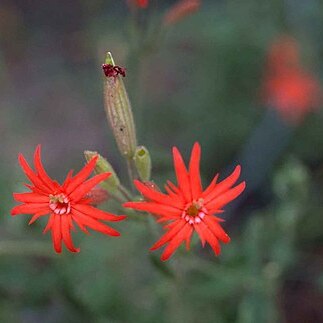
{"x":186,"y":207}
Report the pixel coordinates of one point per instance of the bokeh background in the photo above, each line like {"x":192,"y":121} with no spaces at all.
{"x":197,"y":79}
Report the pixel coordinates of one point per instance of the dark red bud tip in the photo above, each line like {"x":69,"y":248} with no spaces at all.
{"x":113,"y":71}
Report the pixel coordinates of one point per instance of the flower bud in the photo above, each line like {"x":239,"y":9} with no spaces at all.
{"x":98,"y":195}
{"x":102,"y":166}
{"x":143,"y":162}
{"x":118,"y":109}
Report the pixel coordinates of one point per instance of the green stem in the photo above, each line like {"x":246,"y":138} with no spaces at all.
{"x":131,"y":171}
{"x":125,"y":193}
{"x":118,"y":198}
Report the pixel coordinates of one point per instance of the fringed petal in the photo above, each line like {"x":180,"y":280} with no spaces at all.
{"x":82,"y":175}
{"x":182,"y":174}
{"x":194,"y":171}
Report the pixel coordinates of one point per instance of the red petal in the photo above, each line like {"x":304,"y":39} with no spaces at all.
{"x":37,"y":216}
{"x":97,"y":213}
{"x":31,"y":198}
{"x":57,"y":233}
{"x":36,"y":190}
{"x":173,"y":187}
{"x":225,"y":198}
{"x":194,"y":171}
{"x":199,"y":229}
{"x":68,"y":179}
{"x":169,"y":235}
{"x":155,"y":208}
{"x":174,"y":192}
{"x":188,"y":238}
{"x":41,"y":171}
{"x":165,"y":219}
{"x":210,"y":188}
{"x":82,"y":175}
{"x":49,"y":223}
{"x":175,"y":242}
{"x":86,"y":186}
{"x":30,"y":208}
{"x":94,"y":224}
{"x":156,"y":196}
{"x":216,"y":229}
{"x":224,"y":185}
{"x":31,"y":175}
{"x":170,"y":192}
{"x":211,"y":238}
{"x":182,"y":174}
{"x":66,"y":233}
{"x":79,"y":223}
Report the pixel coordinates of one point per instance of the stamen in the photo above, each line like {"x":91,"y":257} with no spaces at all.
{"x":194,"y":212}
{"x":59,"y":204}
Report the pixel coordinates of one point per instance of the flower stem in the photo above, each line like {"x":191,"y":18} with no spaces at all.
{"x":131,"y":171}
{"x":125,"y":193}
{"x":117,"y":198}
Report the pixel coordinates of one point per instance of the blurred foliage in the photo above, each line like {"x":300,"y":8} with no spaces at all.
{"x":199,"y":80}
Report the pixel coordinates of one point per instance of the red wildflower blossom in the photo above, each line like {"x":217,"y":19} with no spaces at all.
{"x":188,"y":207}
{"x":142,"y":3}
{"x":287,"y":86}
{"x":139,"y":3}
{"x":67,"y":203}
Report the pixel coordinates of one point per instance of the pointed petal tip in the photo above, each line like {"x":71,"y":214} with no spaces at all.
{"x":196,"y":146}
{"x":38,"y":149}
{"x":227,"y":240}
{"x":129,"y":204}
{"x":175,"y":151}
{"x":164,"y":257}
{"x":94,"y":158}
{"x":14,"y":211}
{"x":121,"y":217}
{"x":75,"y":250}
{"x":137,"y":184}
{"x":243,"y":186}
{"x":154,"y":247}
{"x":21,"y":159}
{"x":135,"y":181}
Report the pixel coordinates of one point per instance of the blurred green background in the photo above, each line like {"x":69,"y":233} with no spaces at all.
{"x":196,"y":80}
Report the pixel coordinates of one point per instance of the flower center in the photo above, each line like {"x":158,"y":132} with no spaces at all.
{"x":194,"y":212}
{"x":59,"y":203}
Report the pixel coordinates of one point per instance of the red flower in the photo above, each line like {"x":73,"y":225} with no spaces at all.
{"x":287,"y":86}
{"x":142,"y":3}
{"x":139,"y":3}
{"x":67,"y":203}
{"x":188,"y":207}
